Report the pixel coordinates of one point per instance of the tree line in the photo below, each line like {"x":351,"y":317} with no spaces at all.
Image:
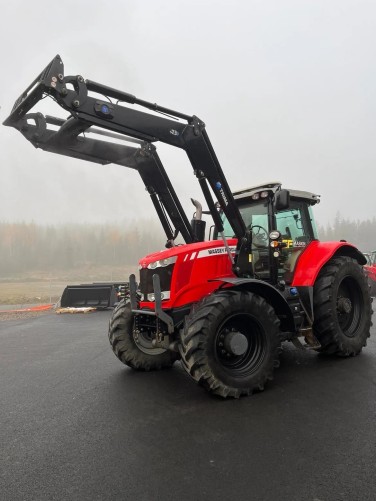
{"x":29,"y":246}
{"x":360,"y":233}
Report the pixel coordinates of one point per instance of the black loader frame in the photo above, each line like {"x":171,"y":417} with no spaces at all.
{"x":91,"y":115}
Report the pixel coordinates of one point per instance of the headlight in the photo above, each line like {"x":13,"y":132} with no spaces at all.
{"x":274,"y":235}
{"x":162,"y":263}
{"x":164,"y":295}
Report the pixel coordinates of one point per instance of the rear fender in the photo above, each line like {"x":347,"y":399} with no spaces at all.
{"x":270,"y":294}
{"x":316,"y":255}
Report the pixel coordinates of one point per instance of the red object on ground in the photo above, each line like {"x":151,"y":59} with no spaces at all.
{"x":41,"y":307}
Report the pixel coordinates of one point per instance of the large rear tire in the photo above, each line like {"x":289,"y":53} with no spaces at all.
{"x":134,"y":350}
{"x":230,"y":343}
{"x":342,"y":307}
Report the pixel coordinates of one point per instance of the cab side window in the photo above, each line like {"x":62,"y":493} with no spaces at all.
{"x":290,"y":225}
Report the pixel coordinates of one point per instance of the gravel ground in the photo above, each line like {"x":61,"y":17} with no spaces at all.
{"x":17,"y":315}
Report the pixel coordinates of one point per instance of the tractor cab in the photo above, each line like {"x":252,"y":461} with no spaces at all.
{"x":282,"y":226}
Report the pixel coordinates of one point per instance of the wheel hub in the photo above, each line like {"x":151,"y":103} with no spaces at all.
{"x":144,"y":342}
{"x":344,"y":305}
{"x":236,"y":343}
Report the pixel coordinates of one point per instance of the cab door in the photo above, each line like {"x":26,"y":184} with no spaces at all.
{"x":297,"y":229}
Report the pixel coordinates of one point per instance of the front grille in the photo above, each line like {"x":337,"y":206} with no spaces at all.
{"x":146,"y":279}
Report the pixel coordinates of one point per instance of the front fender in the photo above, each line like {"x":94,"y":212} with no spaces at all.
{"x":316,"y":255}
{"x":268,"y":292}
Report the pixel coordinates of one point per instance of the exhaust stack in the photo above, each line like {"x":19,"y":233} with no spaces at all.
{"x":198,"y":225}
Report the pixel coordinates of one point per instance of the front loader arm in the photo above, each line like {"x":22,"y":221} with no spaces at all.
{"x":74,"y":94}
{"x":68,"y":141}
{"x":162,"y":194}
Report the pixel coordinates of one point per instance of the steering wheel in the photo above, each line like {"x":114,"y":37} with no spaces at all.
{"x":260,"y":236}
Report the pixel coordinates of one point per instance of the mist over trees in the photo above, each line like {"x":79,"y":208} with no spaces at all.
{"x":28,"y":246}
{"x":360,"y":233}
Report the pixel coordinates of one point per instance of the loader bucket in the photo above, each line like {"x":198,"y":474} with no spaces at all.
{"x":96,"y":295}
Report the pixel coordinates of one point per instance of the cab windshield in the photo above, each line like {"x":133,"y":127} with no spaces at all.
{"x":297,"y":229}
{"x":252,"y":214}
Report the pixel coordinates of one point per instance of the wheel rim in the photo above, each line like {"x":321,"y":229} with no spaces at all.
{"x":246,"y":364}
{"x":143,"y":341}
{"x":349,"y":306}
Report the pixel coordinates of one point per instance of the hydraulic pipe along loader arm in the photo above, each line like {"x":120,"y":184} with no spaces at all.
{"x":87,"y":111}
{"x":222,"y":307}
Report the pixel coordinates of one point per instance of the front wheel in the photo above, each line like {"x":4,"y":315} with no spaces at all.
{"x":132,"y":348}
{"x":342,"y":307}
{"x":230,"y":343}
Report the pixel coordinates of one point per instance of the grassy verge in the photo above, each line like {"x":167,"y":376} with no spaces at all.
{"x":40,"y":287}
{"x":31,"y":292}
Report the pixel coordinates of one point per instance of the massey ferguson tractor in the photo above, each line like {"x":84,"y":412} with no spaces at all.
{"x":224,"y":304}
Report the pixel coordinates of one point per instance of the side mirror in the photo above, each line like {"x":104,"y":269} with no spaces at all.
{"x":282,"y":200}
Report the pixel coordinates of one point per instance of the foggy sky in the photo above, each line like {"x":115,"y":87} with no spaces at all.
{"x":287,"y":90}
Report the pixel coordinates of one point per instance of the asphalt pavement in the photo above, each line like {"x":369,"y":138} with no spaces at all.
{"x":78,"y":425}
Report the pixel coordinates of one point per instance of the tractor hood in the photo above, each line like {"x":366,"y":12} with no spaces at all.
{"x":187,"y":252}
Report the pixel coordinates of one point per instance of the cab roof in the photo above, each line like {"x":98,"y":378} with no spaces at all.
{"x":275,"y":186}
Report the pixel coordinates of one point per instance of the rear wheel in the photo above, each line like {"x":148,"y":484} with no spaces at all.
{"x":342,"y":307}
{"x":230,"y":343}
{"x":132,"y":348}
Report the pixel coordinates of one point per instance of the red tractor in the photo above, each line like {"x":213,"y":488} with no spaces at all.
{"x":370,"y":269}
{"x":224,"y":305}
